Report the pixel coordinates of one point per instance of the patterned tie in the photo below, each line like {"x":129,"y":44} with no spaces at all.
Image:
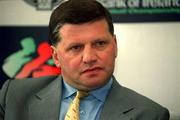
{"x":73,"y":111}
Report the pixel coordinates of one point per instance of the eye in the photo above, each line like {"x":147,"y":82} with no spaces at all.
{"x":100,"y":43}
{"x":75,"y":48}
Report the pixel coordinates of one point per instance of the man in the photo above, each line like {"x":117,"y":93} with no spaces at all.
{"x":84,"y":46}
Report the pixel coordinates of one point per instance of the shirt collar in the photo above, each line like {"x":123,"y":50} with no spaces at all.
{"x":102,"y":92}
{"x":99,"y":93}
{"x":68,"y":90}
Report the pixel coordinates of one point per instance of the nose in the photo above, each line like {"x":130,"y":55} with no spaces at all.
{"x":89,"y":55}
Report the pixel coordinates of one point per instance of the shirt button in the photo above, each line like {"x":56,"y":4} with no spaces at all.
{"x":82,"y":112}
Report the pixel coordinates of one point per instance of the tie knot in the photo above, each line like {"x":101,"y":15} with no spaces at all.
{"x":81,"y":94}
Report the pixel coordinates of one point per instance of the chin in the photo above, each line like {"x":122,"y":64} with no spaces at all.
{"x":95,"y":84}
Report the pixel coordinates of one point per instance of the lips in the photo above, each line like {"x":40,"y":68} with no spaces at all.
{"x":92,"y":70}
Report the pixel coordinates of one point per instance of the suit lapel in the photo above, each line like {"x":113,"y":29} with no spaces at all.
{"x":116,"y":105}
{"x":45,"y":104}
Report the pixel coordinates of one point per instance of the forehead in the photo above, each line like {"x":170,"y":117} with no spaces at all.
{"x":99,"y":26}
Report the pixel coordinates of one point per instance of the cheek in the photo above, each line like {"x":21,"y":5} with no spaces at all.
{"x":108,"y":59}
{"x":70,"y":63}
{"x":109,"y":55}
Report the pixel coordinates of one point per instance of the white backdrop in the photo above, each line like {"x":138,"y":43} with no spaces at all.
{"x":149,"y":61}
{"x":148,"y":56}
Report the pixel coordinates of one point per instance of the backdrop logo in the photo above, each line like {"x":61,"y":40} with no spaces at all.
{"x":22,"y":63}
{"x":142,"y":6}
{"x":43,"y":4}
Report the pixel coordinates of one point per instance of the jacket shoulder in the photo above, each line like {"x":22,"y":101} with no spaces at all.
{"x":16,"y":94}
{"x":141,"y":106}
{"x":22,"y":88}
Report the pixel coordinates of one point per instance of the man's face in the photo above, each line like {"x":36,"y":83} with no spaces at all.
{"x":86,"y":54}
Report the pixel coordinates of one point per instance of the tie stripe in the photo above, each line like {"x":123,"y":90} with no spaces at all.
{"x":73,"y":111}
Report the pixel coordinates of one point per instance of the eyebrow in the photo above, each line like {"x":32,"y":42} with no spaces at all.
{"x":80,"y":42}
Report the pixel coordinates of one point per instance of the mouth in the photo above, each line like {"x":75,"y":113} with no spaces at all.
{"x":94,"y":70}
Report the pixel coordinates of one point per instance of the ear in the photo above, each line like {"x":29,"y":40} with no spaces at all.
{"x":55,"y":56}
{"x":116,"y":46}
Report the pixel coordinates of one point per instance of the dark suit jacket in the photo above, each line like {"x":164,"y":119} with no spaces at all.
{"x":39,"y":99}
